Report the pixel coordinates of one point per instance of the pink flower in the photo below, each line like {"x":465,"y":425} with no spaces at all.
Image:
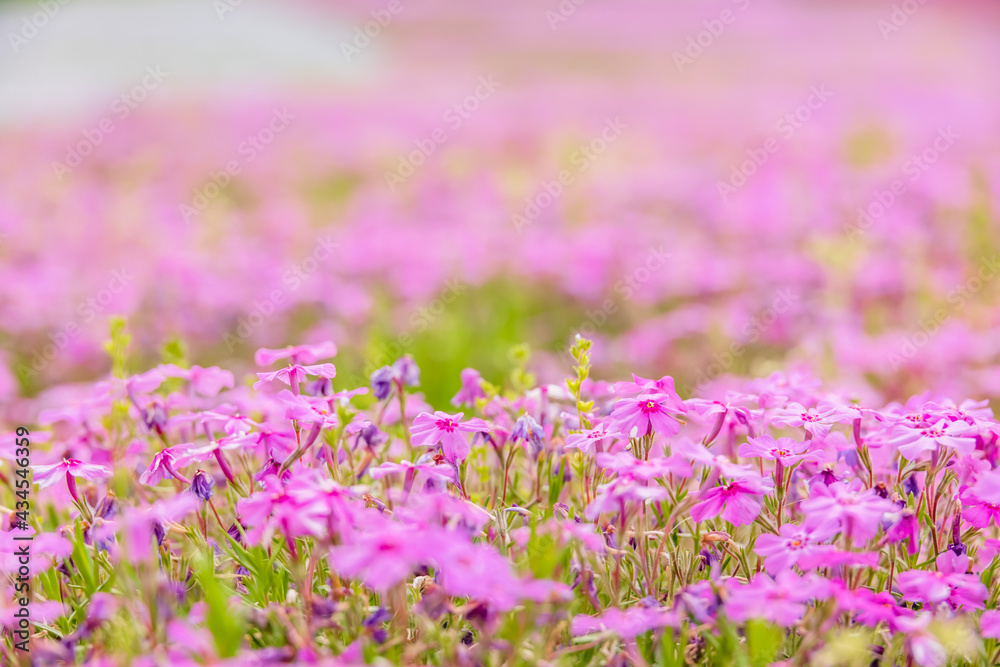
{"x":738,"y":502}
{"x":977,"y":511}
{"x":297,"y":354}
{"x":588,"y":438}
{"x":914,"y":440}
{"x":858,"y":513}
{"x":627,"y":623}
{"x":663,"y":387}
{"x":906,"y":528}
{"x":386,"y":556}
{"x":989,"y":624}
{"x":429,"y":430}
{"x":925,"y":648}
{"x":471,"y":388}
{"x":307,"y":409}
{"x":295,"y":375}
{"x":275,"y":509}
{"x":784,"y":450}
{"x":409,"y":468}
{"x":205,"y":381}
{"x":47,"y":475}
{"x":794,"y":546}
{"x":164,"y":465}
{"x":816,"y":420}
{"x":781,"y":600}
{"x":657,"y":467}
{"x":640,"y":416}
{"x":950,"y":583}
{"x":872,"y":608}
{"x":610,"y":496}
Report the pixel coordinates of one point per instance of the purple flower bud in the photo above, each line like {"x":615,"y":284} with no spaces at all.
{"x":372,"y":436}
{"x":956,"y":536}
{"x":319,"y":387}
{"x":202,"y":484}
{"x":382,"y":382}
{"x":528,"y":430}
{"x":829,"y":477}
{"x":406,"y":371}
{"x":155,"y":418}
{"x":107,"y":508}
{"x":235,"y":533}
{"x":159,"y":531}
{"x":910,"y":486}
{"x":376,"y":619}
{"x":271,"y":467}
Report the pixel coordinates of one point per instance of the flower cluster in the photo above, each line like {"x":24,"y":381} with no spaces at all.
{"x":189,"y":519}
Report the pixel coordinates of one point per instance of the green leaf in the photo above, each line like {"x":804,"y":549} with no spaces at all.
{"x":84,"y":563}
{"x":764,"y":640}
{"x":224,"y":621}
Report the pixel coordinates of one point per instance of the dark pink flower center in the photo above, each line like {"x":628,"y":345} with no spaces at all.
{"x":932,"y":433}
{"x":448,"y":425}
{"x":806,"y":417}
{"x":649,"y":406}
{"x":780,"y":452}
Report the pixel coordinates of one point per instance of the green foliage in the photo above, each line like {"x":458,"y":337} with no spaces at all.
{"x":224,"y":620}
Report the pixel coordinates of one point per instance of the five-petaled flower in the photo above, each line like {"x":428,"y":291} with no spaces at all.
{"x":447,"y":430}
{"x":47,"y":475}
{"x":648,"y":413}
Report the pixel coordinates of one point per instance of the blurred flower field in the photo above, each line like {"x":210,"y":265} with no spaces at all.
{"x":356,"y":374}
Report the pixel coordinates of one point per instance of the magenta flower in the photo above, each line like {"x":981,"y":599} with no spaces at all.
{"x":308,"y":410}
{"x":295,"y":375}
{"x":871,"y":608}
{"x":658,"y":467}
{"x":386,"y":556}
{"x":164,"y":465}
{"x":950,"y":583}
{"x":296,"y":354}
{"x":914,"y":440}
{"x":439,"y":471}
{"x":447,"y":430}
{"x":649,"y":412}
{"x":663,"y":387}
{"x":781,"y":600}
{"x":739,"y":502}
{"x":784,"y":450}
{"x":47,"y":475}
{"x":816,"y":420}
{"x":610,"y":496}
{"x":795,"y":546}
{"x":205,"y":381}
{"x":587,"y":439}
{"x":977,"y":511}
{"x":626,"y":623}
{"x":925,"y":648}
{"x":907,"y":528}
{"x":858,"y":513}
{"x":471,"y":388}
{"x":989,"y":624}
{"x":275,"y":510}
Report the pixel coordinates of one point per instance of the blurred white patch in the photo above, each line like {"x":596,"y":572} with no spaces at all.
{"x":60,"y":58}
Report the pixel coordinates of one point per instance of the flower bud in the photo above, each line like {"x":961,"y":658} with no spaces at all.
{"x":202,"y":484}
{"x":382,"y":382}
{"x":108,"y":507}
{"x":406,"y":371}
